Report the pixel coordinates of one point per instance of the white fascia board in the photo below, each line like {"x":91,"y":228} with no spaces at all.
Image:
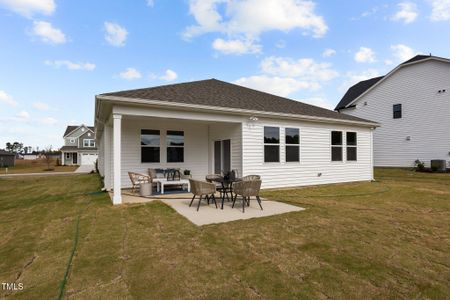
{"x":234,"y":110}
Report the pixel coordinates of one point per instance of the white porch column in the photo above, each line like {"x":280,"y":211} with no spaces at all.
{"x":117,"y":161}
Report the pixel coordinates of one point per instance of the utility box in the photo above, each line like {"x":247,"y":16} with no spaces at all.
{"x":438,"y":165}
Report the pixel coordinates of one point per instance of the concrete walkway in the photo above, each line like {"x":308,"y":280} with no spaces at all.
{"x":36,"y":174}
{"x":85,"y":169}
{"x":81,"y":170}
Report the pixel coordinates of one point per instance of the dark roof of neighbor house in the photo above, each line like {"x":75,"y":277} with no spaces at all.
{"x":358,"y":89}
{"x":3,"y":153}
{"x":75,"y":148}
{"x":213,"y":92}
{"x":70,"y":128}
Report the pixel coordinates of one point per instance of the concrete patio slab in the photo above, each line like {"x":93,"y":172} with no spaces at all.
{"x":208,"y":214}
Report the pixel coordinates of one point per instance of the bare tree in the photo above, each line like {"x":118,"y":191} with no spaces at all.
{"x":48,"y":157}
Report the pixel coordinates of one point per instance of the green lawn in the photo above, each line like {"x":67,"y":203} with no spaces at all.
{"x":388,"y":239}
{"x":36,"y":166}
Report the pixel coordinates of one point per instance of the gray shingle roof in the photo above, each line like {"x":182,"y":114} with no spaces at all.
{"x":70,"y":128}
{"x":213,"y":92}
{"x":358,"y":89}
{"x":3,"y":152}
{"x":75,"y":148}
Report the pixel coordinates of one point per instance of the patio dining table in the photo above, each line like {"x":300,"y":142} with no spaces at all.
{"x":227,"y":186}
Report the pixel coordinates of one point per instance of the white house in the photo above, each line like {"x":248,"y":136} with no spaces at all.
{"x":210,"y":126}
{"x":79,"y":146}
{"x":412,"y":105}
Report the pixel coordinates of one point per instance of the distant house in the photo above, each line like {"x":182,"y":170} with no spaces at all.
{"x":31,"y":156}
{"x":211,"y":126}
{"x":412,"y":105}
{"x":7,"y":159}
{"x":79,"y":146}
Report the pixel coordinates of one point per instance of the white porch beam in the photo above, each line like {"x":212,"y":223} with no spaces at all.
{"x":117,"y":161}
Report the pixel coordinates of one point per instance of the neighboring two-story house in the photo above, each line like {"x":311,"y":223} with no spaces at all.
{"x":79,"y":146}
{"x":412,"y":105}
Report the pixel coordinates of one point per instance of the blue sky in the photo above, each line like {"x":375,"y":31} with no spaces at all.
{"x":56,"y":55}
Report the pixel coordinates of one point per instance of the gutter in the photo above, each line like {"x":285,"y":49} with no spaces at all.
{"x":232,"y":110}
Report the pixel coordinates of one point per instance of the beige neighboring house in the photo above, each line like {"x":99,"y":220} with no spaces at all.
{"x":79,"y":146}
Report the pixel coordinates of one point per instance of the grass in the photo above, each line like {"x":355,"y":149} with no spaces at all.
{"x":36,"y":166}
{"x":383,"y":240}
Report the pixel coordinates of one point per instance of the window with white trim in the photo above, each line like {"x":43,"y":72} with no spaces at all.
{"x":336,"y":146}
{"x":150,"y":146}
{"x":271,"y":144}
{"x":352,"y":150}
{"x":292,"y":139}
{"x":175,"y":146}
{"x":72,"y":141}
{"x":67,"y":155}
{"x":88,"y":143}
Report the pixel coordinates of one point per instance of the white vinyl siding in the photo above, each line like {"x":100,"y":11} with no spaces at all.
{"x":315,"y":166}
{"x":247,"y":149}
{"x":425,"y":115}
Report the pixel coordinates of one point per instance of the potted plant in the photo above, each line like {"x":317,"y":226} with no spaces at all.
{"x":187,"y":174}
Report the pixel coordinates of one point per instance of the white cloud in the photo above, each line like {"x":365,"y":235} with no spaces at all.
{"x":354,"y":77}
{"x":440,"y":10}
{"x":71,"y":65}
{"x":235,"y":46}
{"x":304,"y":68}
{"x":282,"y":86}
{"x":130,"y":74}
{"x":151,"y":3}
{"x":23,"y":116}
{"x":247,"y":19}
{"x":365,"y":55}
{"x":328,"y":52}
{"x":407,"y":12}
{"x":28,"y":8}
{"x":48,"y":33}
{"x":170,"y":75}
{"x":41,"y":106}
{"x":48,"y":121}
{"x":7,"y":99}
{"x":116,"y":35}
{"x":402,"y":52}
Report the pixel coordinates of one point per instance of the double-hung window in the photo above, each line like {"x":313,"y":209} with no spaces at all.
{"x":271,"y":144}
{"x":336,"y":146}
{"x":351,"y":146}
{"x":175,"y":146}
{"x":150,"y":146}
{"x":397,"y":111}
{"x":89,"y":143}
{"x":292,"y":144}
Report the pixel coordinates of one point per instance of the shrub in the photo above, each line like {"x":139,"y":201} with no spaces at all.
{"x":419,"y":165}
{"x":187,"y":172}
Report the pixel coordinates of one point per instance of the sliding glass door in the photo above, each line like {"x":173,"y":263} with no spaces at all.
{"x":222,"y":156}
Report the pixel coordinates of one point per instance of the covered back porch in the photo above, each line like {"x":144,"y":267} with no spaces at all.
{"x":134,"y":141}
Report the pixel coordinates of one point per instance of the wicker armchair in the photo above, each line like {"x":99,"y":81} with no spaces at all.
{"x":138,"y":178}
{"x":202,"y":188}
{"x":247,"y":189}
{"x":251,"y":177}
